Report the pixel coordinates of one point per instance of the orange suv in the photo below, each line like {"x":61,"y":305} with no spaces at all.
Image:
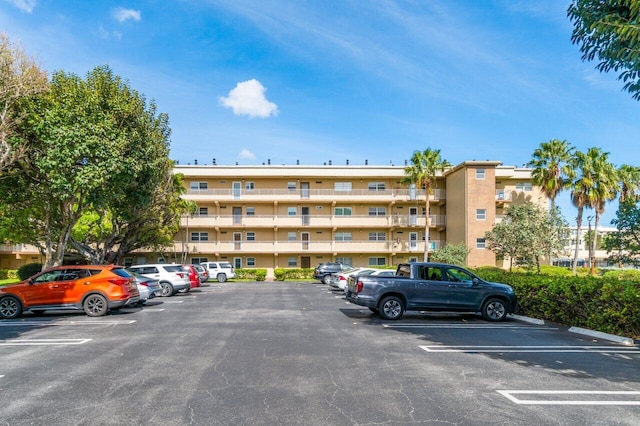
{"x":95,"y":289}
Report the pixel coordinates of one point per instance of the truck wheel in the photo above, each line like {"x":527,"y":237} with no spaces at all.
{"x":494,"y":310}
{"x":221,"y":278}
{"x":391,"y":308}
{"x":326,"y":279}
{"x":167,"y":289}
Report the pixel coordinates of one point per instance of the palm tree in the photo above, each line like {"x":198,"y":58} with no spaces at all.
{"x":595,"y":184}
{"x":422,"y":173}
{"x":581,"y":193}
{"x":551,"y":170}
{"x":629,"y":180}
{"x":605,"y":189}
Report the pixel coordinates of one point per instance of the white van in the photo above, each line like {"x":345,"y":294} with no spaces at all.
{"x":221,"y":271}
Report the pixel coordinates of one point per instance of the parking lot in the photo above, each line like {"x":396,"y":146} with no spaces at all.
{"x":299,"y":354}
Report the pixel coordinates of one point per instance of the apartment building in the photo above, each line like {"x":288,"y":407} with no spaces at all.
{"x":274,"y":216}
{"x":278,"y":216}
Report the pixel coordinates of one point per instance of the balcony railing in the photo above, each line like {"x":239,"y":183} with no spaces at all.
{"x":311,"y":194}
{"x":355,"y":246}
{"x":317,"y":221}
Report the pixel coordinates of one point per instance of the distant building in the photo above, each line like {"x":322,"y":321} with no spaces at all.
{"x":600,"y":255}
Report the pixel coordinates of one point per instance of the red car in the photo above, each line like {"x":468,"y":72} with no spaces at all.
{"x":94,"y":289}
{"x":193,"y":275}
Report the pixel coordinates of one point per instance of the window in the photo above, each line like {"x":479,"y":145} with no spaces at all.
{"x":342,"y":211}
{"x":251,"y":211}
{"x":199,"y":260}
{"x":199,"y":236}
{"x":292,"y":211}
{"x":251,"y":236}
{"x":291,"y":236}
{"x":344,"y":260}
{"x":377,"y":261}
{"x":377,"y":186}
{"x":377,"y":211}
{"x":203,"y":211}
{"x":198,"y":186}
{"x":128,"y":261}
{"x":481,"y":243}
{"x":481,"y":174}
{"x":481,"y":214}
{"x":292,"y":261}
{"x":524,"y":186}
{"x":291,"y":186}
{"x":343,"y":236}
{"x":377,"y":236}
{"x":251,"y":261}
{"x":249,"y":186}
{"x":342,"y":186}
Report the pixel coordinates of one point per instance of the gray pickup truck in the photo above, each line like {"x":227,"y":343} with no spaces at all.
{"x":432,"y":287}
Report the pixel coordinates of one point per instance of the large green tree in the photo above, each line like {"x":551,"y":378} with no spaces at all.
{"x":94,"y":145}
{"x":609,"y":31}
{"x":526,"y":234}
{"x":623,"y":245}
{"x":20,"y":78}
{"x":107,"y":235}
{"x":425,"y":166}
{"x":551,"y":170}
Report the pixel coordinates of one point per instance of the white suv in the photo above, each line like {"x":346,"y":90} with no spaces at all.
{"x":172,"y":277}
{"x":221,"y":271}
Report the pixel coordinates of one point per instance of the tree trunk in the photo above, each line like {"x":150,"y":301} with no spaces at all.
{"x":592,"y":249}
{"x":579,"y":228}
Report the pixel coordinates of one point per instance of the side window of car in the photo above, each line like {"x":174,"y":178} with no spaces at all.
{"x":458,"y":275}
{"x":435,"y":274}
{"x":48,"y":277}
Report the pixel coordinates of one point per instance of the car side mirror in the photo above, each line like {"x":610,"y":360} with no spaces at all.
{"x":475,"y":281}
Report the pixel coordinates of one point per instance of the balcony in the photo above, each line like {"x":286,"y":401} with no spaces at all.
{"x":313,"y":221}
{"x":328,"y":195}
{"x":300,"y":247}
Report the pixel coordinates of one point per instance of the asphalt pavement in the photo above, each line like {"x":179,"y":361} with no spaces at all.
{"x":282,"y":353}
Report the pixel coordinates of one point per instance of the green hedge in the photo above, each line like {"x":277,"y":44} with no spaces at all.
{"x":255,"y":274}
{"x":9,"y":274}
{"x":293,"y":273}
{"x":606,"y":304}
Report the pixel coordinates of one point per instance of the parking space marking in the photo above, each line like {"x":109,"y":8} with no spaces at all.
{"x":469,"y":326}
{"x":152,"y":309}
{"x":169,"y":302}
{"x":70,"y":322}
{"x":558,"y":395}
{"x":43,"y":342}
{"x":539,"y":349}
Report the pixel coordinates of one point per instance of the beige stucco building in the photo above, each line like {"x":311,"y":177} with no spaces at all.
{"x":273,"y":216}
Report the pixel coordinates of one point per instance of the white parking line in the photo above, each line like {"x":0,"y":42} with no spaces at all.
{"x":540,"y":349}
{"x":557,"y":394}
{"x":169,"y":302}
{"x":43,"y":342}
{"x":51,"y":323}
{"x":468,"y":326}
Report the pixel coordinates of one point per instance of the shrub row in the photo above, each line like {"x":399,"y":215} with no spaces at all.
{"x":251,"y":274}
{"x":282,"y":274}
{"x":9,"y":274}
{"x":608,"y":303}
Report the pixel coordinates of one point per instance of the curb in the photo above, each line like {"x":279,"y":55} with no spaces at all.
{"x":600,"y":335}
{"x":619,"y":339}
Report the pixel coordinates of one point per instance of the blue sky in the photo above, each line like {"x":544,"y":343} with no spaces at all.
{"x":335,"y":80}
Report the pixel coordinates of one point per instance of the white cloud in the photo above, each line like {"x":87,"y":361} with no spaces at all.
{"x":246,"y":154}
{"x":247,"y":98}
{"x":24,"y":5}
{"x":121,"y":14}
